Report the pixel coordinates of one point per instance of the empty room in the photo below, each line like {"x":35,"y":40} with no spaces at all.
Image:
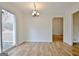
{"x":39,"y":28}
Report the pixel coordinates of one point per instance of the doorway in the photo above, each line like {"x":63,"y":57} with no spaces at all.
{"x":76,"y":28}
{"x":57,"y":29}
{"x":8,"y":30}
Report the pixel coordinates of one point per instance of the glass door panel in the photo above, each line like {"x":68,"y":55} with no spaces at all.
{"x":8,"y":30}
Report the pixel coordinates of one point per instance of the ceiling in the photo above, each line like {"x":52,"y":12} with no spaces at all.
{"x":50,"y":7}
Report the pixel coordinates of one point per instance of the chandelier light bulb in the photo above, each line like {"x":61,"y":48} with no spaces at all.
{"x":37,"y":14}
{"x":34,"y":11}
{"x":32,"y":14}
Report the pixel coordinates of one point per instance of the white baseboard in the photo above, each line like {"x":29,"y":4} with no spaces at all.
{"x":37,"y":41}
{"x":75,"y":41}
{"x":20,"y":43}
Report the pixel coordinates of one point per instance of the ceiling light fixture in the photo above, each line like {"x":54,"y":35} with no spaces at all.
{"x":35,"y":11}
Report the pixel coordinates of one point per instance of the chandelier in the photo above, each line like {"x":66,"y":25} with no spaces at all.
{"x":35,"y":11}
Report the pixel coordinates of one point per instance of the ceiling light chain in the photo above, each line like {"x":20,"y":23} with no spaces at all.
{"x":34,"y":5}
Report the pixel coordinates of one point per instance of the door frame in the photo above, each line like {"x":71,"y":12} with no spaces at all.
{"x":14,"y":31}
{"x":73,"y":26}
{"x":52,"y":27}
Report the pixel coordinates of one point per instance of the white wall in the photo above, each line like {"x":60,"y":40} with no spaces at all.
{"x":39,"y":29}
{"x":68,"y":24}
{"x":57,"y":26}
{"x":19,"y":20}
{"x":67,"y":29}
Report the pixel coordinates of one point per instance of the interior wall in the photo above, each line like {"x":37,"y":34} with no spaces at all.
{"x":39,"y":29}
{"x":57,"y":26}
{"x":19,"y":20}
{"x":67,"y":29}
{"x":76,"y":27}
{"x":68,"y":24}
{"x":74,"y":10}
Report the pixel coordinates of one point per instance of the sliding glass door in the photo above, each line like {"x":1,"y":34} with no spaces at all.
{"x":8,"y":30}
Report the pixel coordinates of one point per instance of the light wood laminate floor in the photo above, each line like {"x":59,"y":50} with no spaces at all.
{"x":45,"y":49}
{"x":57,"y":38}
